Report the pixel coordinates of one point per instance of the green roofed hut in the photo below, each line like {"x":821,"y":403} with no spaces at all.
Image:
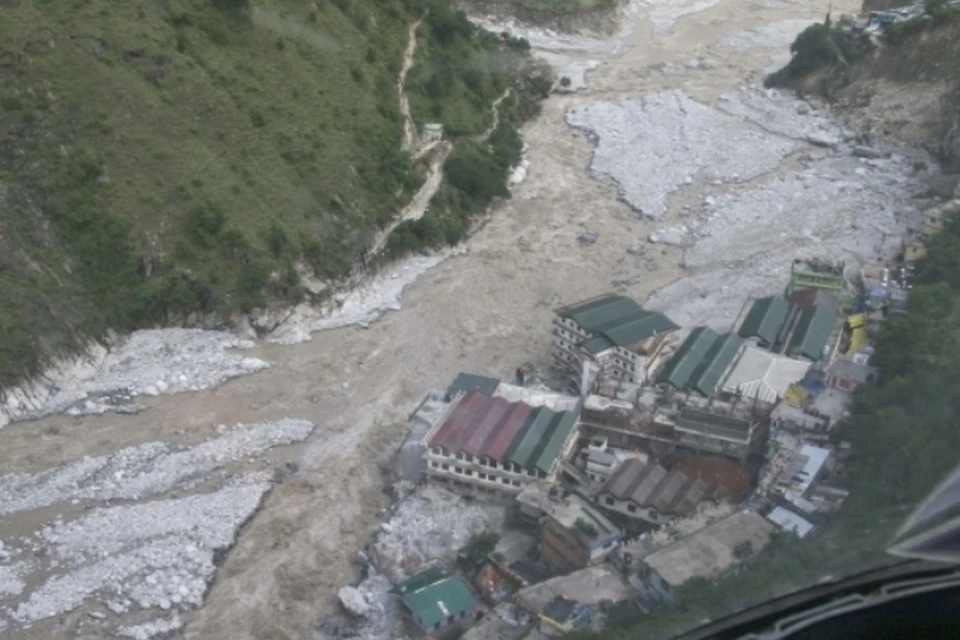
{"x":812,"y":333}
{"x":764,"y":320}
{"x":467,"y":382}
{"x":700,"y":362}
{"x":436,"y":599}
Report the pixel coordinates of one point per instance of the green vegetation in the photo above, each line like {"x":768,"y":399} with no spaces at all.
{"x":474,"y":554}
{"x":904,"y":432}
{"x":817,"y":47}
{"x":459,"y":72}
{"x":936,"y":13}
{"x":164,"y":159}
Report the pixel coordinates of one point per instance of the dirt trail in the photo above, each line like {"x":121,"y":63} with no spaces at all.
{"x":485,"y":311}
{"x":421,"y":199}
{"x":496,"y":115}
{"x":409,"y":128}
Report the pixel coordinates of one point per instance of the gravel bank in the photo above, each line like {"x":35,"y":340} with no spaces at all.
{"x":150,"y":362}
{"x":651,"y":147}
{"x":139,"y":472}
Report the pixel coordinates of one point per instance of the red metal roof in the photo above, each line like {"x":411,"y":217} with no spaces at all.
{"x":458,"y":420}
{"x":481,"y":426}
{"x":500,"y":438}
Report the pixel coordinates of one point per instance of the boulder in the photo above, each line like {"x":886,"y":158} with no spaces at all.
{"x":861,"y":151}
{"x":353,"y":601}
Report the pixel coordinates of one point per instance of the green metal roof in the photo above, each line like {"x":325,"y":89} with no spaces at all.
{"x":467,"y":382}
{"x":718,"y":357}
{"x":593,"y":346}
{"x":436,"y":600}
{"x":681,"y":366}
{"x":537,"y":444}
{"x":812,"y":332}
{"x":618,"y":319}
{"x":600,"y":311}
{"x":549,"y":446}
{"x":764,"y":319}
{"x":421,"y":580}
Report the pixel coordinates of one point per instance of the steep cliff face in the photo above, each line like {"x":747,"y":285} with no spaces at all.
{"x":903,"y":85}
{"x":183,"y":161}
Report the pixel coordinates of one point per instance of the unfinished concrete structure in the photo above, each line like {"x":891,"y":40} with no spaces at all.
{"x":607,"y":337}
{"x":668,"y":424}
{"x":489,"y":446}
{"x":574,"y":533}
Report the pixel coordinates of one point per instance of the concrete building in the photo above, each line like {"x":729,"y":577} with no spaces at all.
{"x":726,"y":428}
{"x":708,"y":552}
{"x":436,"y":600}
{"x":650,"y":493}
{"x":490,"y":447}
{"x":847,"y":375}
{"x":575,"y":534}
{"x":563,"y":603}
{"x":607,"y":337}
{"x":819,"y":274}
{"x":806,"y":298}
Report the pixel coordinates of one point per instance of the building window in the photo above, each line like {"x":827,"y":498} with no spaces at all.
{"x":446,"y":467}
{"x":468,"y":457}
{"x":610,"y":501}
{"x":482,"y":476}
{"x":515,"y":483}
{"x":469,"y":472}
{"x":459,"y":456}
{"x":433,"y":463}
{"x":458,"y":470}
{"x":631,"y":508}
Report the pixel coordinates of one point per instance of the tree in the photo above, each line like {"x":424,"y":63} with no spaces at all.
{"x":474,"y":554}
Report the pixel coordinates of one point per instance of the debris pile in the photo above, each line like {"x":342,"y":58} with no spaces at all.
{"x":431,"y":525}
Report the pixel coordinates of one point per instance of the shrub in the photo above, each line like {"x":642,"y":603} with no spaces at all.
{"x":205,"y":223}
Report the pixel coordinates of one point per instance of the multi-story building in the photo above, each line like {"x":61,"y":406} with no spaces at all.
{"x":490,"y":447}
{"x":575,"y":534}
{"x":609,"y":336}
{"x":728,"y":429}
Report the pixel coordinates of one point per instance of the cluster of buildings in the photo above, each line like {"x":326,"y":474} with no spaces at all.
{"x":666,"y":454}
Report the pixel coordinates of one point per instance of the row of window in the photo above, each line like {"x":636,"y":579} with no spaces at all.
{"x":488,"y":462}
{"x":489,"y":477}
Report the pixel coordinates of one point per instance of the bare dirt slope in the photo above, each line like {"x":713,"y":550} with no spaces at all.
{"x":486,"y":311}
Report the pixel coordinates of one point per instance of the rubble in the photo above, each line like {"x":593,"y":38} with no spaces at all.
{"x":148,"y":469}
{"x":649,"y":148}
{"x":836,"y":208}
{"x":677,"y":236}
{"x":431,"y":525}
{"x":149,"y":362}
{"x":354,"y":601}
{"x":158,"y":554}
{"x":11,"y":582}
{"x":151,"y":629}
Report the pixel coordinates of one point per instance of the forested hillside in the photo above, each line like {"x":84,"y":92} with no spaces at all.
{"x":166,"y":160}
{"x":904,"y":430}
